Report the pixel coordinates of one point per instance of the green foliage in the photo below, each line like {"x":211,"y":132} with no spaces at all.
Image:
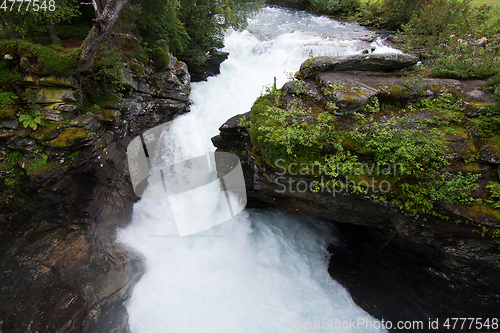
{"x":494,"y":199}
{"x":445,"y":187}
{"x":245,"y":122}
{"x":300,"y":87}
{"x":193,"y":27}
{"x":28,"y":23}
{"x":336,"y":6}
{"x":286,"y":132}
{"x":393,"y":13}
{"x":489,"y":125}
{"x":54,"y":62}
{"x":400,"y":140}
{"x":331,"y":106}
{"x":373,"y":106}
{"x":160,"y":25}
{"x":456,"y":39}
{"x":7,"y":98}
{"x":30,"y":118}
{"x":39,"y":165}
{"x":8,"y":75}
{"x":108,"y":69}
{"x":495,"y":86}
{"x":14,"y":158}
{"x":413,"y":82}
{"x":453,"y":189}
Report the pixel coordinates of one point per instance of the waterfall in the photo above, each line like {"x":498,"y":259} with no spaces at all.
{"x":263,"y":270}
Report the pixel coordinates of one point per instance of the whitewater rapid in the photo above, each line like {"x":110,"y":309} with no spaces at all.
{"x":264,"y":270}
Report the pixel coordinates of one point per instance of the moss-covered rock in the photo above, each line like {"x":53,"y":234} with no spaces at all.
{"x":69,"y":137}
{"x":51,"y":81}
{"x":441,"y":156}
{"x":8,"y":112}
{"x":48,"y":132}
{"x":108,"y":115}
{"x":48,"y":95}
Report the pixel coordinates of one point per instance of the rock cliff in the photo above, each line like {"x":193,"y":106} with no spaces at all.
{"x":64,"y":190}
{"x":356,"y":141}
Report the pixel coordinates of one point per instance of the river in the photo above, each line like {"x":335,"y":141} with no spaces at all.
{"x":263,"y":270}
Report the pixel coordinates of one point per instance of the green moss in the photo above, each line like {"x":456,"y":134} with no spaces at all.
{"x":68,"y":137}
{"x":8,"y":112}
{"x":44,"y":133}
{"x":392,"y":91}
{"x":52,"y":61}
{"x":39,"y":165}
{"x":474,"y":107}
{"x":108,"y":115}
{"x":14,"y":158}
{"x":471,"y":167}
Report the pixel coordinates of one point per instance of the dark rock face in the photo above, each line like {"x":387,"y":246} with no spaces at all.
{"x":396,"y":281}
{"x":397,"y":266}
{"x":61,"y":269}
{"x":207,"y":65}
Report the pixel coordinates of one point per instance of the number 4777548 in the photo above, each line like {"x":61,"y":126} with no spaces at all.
{"x":28,"y":5}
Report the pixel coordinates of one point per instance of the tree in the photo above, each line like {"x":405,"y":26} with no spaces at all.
{"x":100,"y":32}
{"x":25,"y":22}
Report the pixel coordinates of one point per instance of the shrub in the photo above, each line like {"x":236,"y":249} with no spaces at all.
{"x":495,"y":86}
{"x":456,"y":39}
{"x":336,"y":6}
{"x":395,"y":13}
{"x":7,"y":98}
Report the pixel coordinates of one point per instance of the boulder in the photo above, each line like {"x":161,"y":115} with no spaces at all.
{"x":389,"y":62}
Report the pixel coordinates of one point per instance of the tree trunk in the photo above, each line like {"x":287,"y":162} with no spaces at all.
{"x":99,"y":33}
{"x":54,"y":38}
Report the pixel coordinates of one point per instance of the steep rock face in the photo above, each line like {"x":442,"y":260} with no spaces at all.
{"x":453,"y":256}
{"x":65,"y":190}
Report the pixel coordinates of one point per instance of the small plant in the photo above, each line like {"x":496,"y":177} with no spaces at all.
{"x":331,"y":106}
{"x":332,"y":89}
{"x":413,"y":83}
{"x":454,"y":189}
{"x":373,"y":106}
{"x":494,"y":199}
{"x":300,"y":87}
{"x":245,"y":122}
{"x":14,"y":158}
{"x":7,"y":98}
{"x":30,"y":119}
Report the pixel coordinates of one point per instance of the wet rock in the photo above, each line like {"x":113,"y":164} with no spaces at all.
{"x":395,"y":280}
{"x":207,"y":65}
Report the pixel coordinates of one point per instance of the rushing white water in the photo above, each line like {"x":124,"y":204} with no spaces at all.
{"x":264,"y":270}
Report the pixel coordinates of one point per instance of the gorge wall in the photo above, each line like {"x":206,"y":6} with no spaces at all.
{"x":398,"y":264}
{"x":65,"y":190}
